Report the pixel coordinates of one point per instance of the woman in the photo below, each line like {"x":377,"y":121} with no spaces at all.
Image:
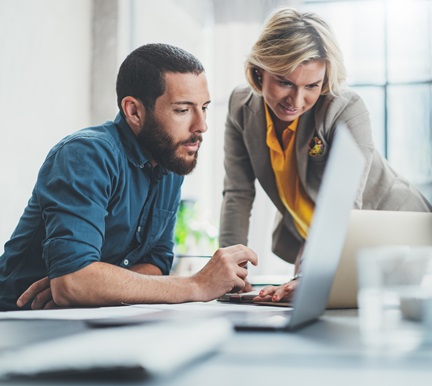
{"x":280,"y":128}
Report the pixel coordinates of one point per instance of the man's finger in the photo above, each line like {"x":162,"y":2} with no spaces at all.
{"x":251,"y":257}
{"x":248,"y":287}
{"x":239,"y":285}
{"x":41,"y":299}
{"x":242,"y":273}
{"x":243,"y":254}
{"x":50,"y":305}
{"x":32,"y":291}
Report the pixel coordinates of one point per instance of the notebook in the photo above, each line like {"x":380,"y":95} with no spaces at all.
{"x":326,"y":237}
{"x":370,"y":228}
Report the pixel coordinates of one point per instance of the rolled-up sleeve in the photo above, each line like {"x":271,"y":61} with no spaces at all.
{"x":73,"y":189}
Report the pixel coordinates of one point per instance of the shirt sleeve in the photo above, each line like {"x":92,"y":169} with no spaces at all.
{"x":73,"y":189}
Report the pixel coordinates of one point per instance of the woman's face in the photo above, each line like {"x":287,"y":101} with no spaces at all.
{"x":291,"y":96}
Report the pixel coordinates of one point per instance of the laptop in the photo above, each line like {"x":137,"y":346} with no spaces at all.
{"x":366,"y":229}
{"x":371,"y":228}
{"x":324,"y":244}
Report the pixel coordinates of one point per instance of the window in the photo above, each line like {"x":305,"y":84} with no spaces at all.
{"x":388,"y":50}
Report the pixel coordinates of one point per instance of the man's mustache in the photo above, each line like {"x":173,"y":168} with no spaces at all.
{"x":192,"y":139}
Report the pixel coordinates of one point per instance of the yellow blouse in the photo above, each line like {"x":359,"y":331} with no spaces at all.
{"x":291,"y":190}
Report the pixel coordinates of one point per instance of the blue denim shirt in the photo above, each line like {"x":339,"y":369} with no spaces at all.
{"x":97,"y":198}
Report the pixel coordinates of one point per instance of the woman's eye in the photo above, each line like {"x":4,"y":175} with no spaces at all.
{"x":285,"y":83}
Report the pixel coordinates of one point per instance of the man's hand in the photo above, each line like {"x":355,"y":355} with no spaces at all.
{"x":247,"y":288}
{"x":40,"y":292}
{"x":224,"y":272}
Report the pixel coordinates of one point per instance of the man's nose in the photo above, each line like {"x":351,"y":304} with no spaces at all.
{"x":199,"y":125}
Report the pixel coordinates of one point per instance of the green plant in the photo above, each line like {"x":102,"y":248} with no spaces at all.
{"x":193,"y":234}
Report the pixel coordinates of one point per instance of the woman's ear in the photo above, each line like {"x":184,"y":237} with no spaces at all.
{"x":258,"y":76}
{"x":134,"y":112}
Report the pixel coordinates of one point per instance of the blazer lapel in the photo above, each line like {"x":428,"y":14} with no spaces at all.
{"x":305,"y":133}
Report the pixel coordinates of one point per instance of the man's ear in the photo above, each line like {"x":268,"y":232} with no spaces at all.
{"x":134,"y":112}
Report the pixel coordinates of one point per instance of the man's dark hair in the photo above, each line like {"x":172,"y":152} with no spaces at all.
{"x":141,"y":74}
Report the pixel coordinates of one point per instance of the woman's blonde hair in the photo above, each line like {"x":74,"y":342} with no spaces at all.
{"x":291,"y":38}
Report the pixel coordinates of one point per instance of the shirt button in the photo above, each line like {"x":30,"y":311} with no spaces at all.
{"x":139,"y":229}
{"x":126,"y":262}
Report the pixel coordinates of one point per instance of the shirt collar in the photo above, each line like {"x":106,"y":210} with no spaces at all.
{"x":270,"y":125}
{"x":272,"y":141}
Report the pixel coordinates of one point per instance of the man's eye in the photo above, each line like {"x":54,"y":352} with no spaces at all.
{"x":181,"y":111}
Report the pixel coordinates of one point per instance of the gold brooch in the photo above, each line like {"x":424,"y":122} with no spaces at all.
{"x":316,"y":147}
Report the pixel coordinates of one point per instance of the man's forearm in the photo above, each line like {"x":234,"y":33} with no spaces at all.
{"x":146,"y":269}
{"x":102,"y":284}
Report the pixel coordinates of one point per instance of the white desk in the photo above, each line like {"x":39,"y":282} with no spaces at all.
{"x":328,"y":352}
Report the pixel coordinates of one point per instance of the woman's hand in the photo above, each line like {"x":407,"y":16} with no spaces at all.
{"x":277,"y":294}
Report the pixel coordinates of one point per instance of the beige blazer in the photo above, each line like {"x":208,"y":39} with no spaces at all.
{"x":247,"y":158}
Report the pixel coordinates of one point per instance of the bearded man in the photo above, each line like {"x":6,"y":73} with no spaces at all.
{"x":98,"y":228}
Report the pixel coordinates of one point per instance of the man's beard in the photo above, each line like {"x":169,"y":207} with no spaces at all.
{"x":162,"y":147}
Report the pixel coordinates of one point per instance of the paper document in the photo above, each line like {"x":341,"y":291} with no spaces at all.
{"x":213,"y":307}
{"x":78,"y":313}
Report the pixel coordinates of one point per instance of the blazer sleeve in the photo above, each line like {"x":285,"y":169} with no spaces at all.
{"x":356,"y":117}
{"x":349,"y":111}
{"x":239,"y":181}
{"x":381,"y":187}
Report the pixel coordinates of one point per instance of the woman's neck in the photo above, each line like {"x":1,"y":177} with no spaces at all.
{"x":279,"y":126}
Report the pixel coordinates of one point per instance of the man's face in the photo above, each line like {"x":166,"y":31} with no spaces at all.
{"x":172,"y":132}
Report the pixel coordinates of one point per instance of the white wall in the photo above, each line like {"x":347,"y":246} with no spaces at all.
{"x":187,"y":24}
{"x":46,"y":85}
{"x":45,"y":50}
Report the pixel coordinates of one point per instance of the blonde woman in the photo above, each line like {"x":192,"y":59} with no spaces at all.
{"x":279,"y":130}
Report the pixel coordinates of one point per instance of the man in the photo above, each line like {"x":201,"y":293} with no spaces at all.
{"x":98,"y":229}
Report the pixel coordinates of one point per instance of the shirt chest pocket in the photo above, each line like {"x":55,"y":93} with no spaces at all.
{"x":153,"y":226}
